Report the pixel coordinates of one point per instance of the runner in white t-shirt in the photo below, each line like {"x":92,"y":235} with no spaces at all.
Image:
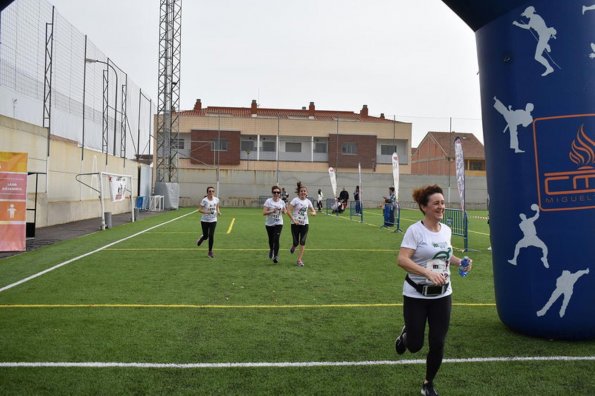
{"x":426,"y":255}
{"x":298,"y":208}
{"x":274,"y":208}
{"x":209,"y":207}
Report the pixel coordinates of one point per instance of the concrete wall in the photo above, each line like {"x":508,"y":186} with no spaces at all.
{"x":60,"y":197}
{"x":242,"y":188}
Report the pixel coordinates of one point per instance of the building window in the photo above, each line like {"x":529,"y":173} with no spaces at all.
{"x":293,"y":147}
{"x":349,"y":148}
{"x":387,"y":149}
{"x":269,"y":146}
{"x":247,"y":145}
{"x":320,"y":147}
{"x":219,"y":145}
{"x":177,"y":144}
{"x":476,"y":165}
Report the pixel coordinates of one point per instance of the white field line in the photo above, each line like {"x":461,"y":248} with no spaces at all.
{"x":292,"y":364}
{"x":87,"y":254}
{"x":214,"y":306}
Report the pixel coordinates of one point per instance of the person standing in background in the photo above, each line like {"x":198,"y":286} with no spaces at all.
{"x":358,"y":205}
{"x":389,"y":207}
{"x":209,"y":207}
{"x":319,"y":200}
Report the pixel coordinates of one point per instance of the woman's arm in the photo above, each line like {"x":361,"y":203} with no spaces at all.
{"x":289,"y":211}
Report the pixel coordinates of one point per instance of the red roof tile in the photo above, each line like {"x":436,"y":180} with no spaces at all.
{"x":321,"y":115}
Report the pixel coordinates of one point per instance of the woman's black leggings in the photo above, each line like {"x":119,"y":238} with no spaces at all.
{"x":208,"y":232}
{"x":274,"y":233}
{"x":436,"y":312}
{"x":299,"y":234}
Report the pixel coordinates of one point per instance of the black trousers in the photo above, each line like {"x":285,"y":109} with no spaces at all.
{"x":436,"y":312}
{"x":274,"y":233}
{"x":208,"y":232}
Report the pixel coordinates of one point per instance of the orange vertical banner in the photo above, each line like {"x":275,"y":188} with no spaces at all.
{"x":13,"y":201}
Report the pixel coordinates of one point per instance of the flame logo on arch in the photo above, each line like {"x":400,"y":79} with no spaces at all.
{"x":582,"y":152}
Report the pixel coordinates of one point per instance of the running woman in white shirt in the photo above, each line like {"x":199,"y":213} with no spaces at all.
{"x":426,"y":255}
{"x":209,"y":207}
{"x":298,"y":208}
{"x":274,"y":208}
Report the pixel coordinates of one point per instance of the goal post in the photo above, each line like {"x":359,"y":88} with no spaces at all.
{"x":119,"y":188}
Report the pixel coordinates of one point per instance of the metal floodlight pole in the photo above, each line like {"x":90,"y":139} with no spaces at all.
{"x":450,"y":143}
{"x":88,"y":60}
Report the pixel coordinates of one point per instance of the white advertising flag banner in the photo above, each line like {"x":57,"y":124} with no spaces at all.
{"x":333,"y":177}
{"x":396,"y":174}
{"x":460,"y":170}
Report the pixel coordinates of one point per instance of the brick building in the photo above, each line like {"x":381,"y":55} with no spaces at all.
{"x":306,"y":139}
{"x":435,"y":154}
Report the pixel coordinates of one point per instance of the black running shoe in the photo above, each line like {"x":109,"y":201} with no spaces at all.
{"x":276,"y":259}
{"x":199,"y":241}
{"x":427,"y":389}
{"x":292,"y":249}
{"x":400,"y":342}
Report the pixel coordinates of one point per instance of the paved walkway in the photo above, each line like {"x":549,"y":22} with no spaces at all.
{"x":60,"y":232}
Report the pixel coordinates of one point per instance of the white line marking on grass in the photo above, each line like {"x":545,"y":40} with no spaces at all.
{"x":231,"y":225}
{"x":214,"y":306}
{"x":255,"y":249}
{"x":480,"y":233}
{"x":87,"y":254}
{"x":295,"y":364}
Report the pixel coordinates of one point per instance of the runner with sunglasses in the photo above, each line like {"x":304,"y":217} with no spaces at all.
{"x":274,"y":208}
{"x":209,"y":207}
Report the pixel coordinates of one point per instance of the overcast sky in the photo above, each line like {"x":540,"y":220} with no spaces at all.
{"x":413,"y":59}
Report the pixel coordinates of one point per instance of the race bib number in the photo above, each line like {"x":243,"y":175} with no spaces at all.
{"x":437,"y":265}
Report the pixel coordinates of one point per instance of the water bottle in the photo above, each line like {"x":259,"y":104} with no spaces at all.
{"x":463,"y":267}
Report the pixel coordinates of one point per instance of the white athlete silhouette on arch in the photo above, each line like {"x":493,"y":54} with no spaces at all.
{"x":585,"y":9}
{"x":544,"y":34}
{"x":514,"y":119}
{"x":530,"y":238}
{"x":564,"y":287}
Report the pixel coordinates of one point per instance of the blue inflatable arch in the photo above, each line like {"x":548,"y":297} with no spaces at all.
{"x":537,"y":79}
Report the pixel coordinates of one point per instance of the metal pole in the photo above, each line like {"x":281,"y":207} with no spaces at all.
{"x":337,"y":149}
{"x":140,"y":92}
{"x":449,"y":156}
{"x":116,"y":93}
{"x":217,"y":148}
{"x":115,"y":105}
{"x":101,"y":200}
{"x":84,"y":100}
{"x":277,"y":149}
